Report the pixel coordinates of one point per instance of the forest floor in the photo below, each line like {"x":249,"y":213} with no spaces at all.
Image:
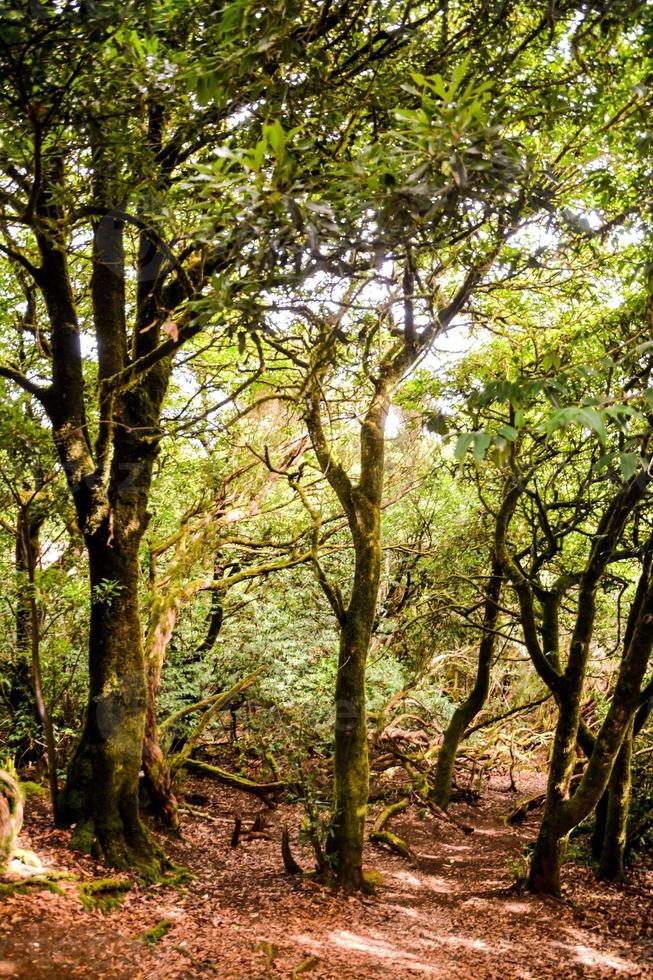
{"x":453,"y":914}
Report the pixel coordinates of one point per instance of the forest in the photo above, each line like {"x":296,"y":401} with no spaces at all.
{"x":326,"y":488}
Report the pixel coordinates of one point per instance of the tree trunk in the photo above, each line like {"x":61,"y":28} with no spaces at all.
{"x":11,"y":816}
{"x":20,"y":694}
{"x":470,"y":707}
{"x":561,"y":813}
{"x":361,"y":503}
{"x":544,"y":871}
{"x":351,"y":768}
{"x":101,"y":792}
{"x":600,"y":821}
{"x":158,"y":782}
{"x":611,"y":865}
{"x":42,"y":710}
{"x":544,"y":874}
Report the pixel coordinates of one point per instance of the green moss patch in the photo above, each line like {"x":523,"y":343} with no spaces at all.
{"x":177,"y":877}
{"x":8,"y":888}
{"x":157,"y":932}
{"x":107,"y":895}
{"x":28,"y":788}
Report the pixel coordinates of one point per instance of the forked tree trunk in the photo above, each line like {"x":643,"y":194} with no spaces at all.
{"x":562,"y":813}
{"x":361,"y":503}
{"x":101,"y":791}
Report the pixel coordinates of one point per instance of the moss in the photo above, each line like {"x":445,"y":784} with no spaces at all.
{"x":107,"y":894}
{"x":157,"y":932}
{"x":8,"y":888}
{"x":28,"y":788}
{"x":393,"y":842}
{"x":372,"y":881}
{"x":177,"y":877}
{"x":150,"y":871}
{"x":83,"y":838}
{"x":306,"y":966}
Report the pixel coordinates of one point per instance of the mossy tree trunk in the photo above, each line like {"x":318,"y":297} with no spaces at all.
{"x":109,"y":481}
{"x":562,"y":810}
{"x":470,"y":707}
{"x":613,"y":850}
{"x":361,"y":501}
{"x":101,"y":791}
{"x":11,"y":816}
{"x":610,"y":836}
{"x":158,"y":782}
{"x":351,"y":769}
{"x":362,"y":505}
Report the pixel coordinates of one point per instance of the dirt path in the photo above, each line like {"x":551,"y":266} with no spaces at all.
{"x":451,"y":916}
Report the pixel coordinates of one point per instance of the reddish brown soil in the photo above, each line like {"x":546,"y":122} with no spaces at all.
{"x":453,"y":915}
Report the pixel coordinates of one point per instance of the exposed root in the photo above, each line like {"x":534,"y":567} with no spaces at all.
{"x":157,"y":932}
{"x":441,"y":814}
{"x":262,"y":790}
{"x":523,"y":808}
{"x":105,"y":895}
{"x":289,"y":863}
{"x":393,"y":842}
{"x":379,"y":835}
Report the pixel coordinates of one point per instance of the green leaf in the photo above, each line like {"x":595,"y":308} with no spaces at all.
{"x":482,"y":442}
{"x":594,"y":420}
{"x":551,"y":360}
{"x":508,"y":432}
{"x":629,"y":464}
{"x":276,"y":139}
{"x":463,"y":442}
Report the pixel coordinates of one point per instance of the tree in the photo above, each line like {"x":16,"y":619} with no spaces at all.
{"x":106,"y":128}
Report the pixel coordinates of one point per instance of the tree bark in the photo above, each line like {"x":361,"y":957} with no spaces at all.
{"x":158,"y":783}
{"x":109,"y":481}
{"x":20,"y":694}
{"x":42,"y":710}
{"x":11,"y":816}
{"x":609,"y":847}
{"x":563,"y":811}
{"x":101,"y":791}
{"x":362,"y":505}
{"x":470,"y":707}
{"x":613,"y":849}
{"x":157,"y":778}
{"x":351,"y":765}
